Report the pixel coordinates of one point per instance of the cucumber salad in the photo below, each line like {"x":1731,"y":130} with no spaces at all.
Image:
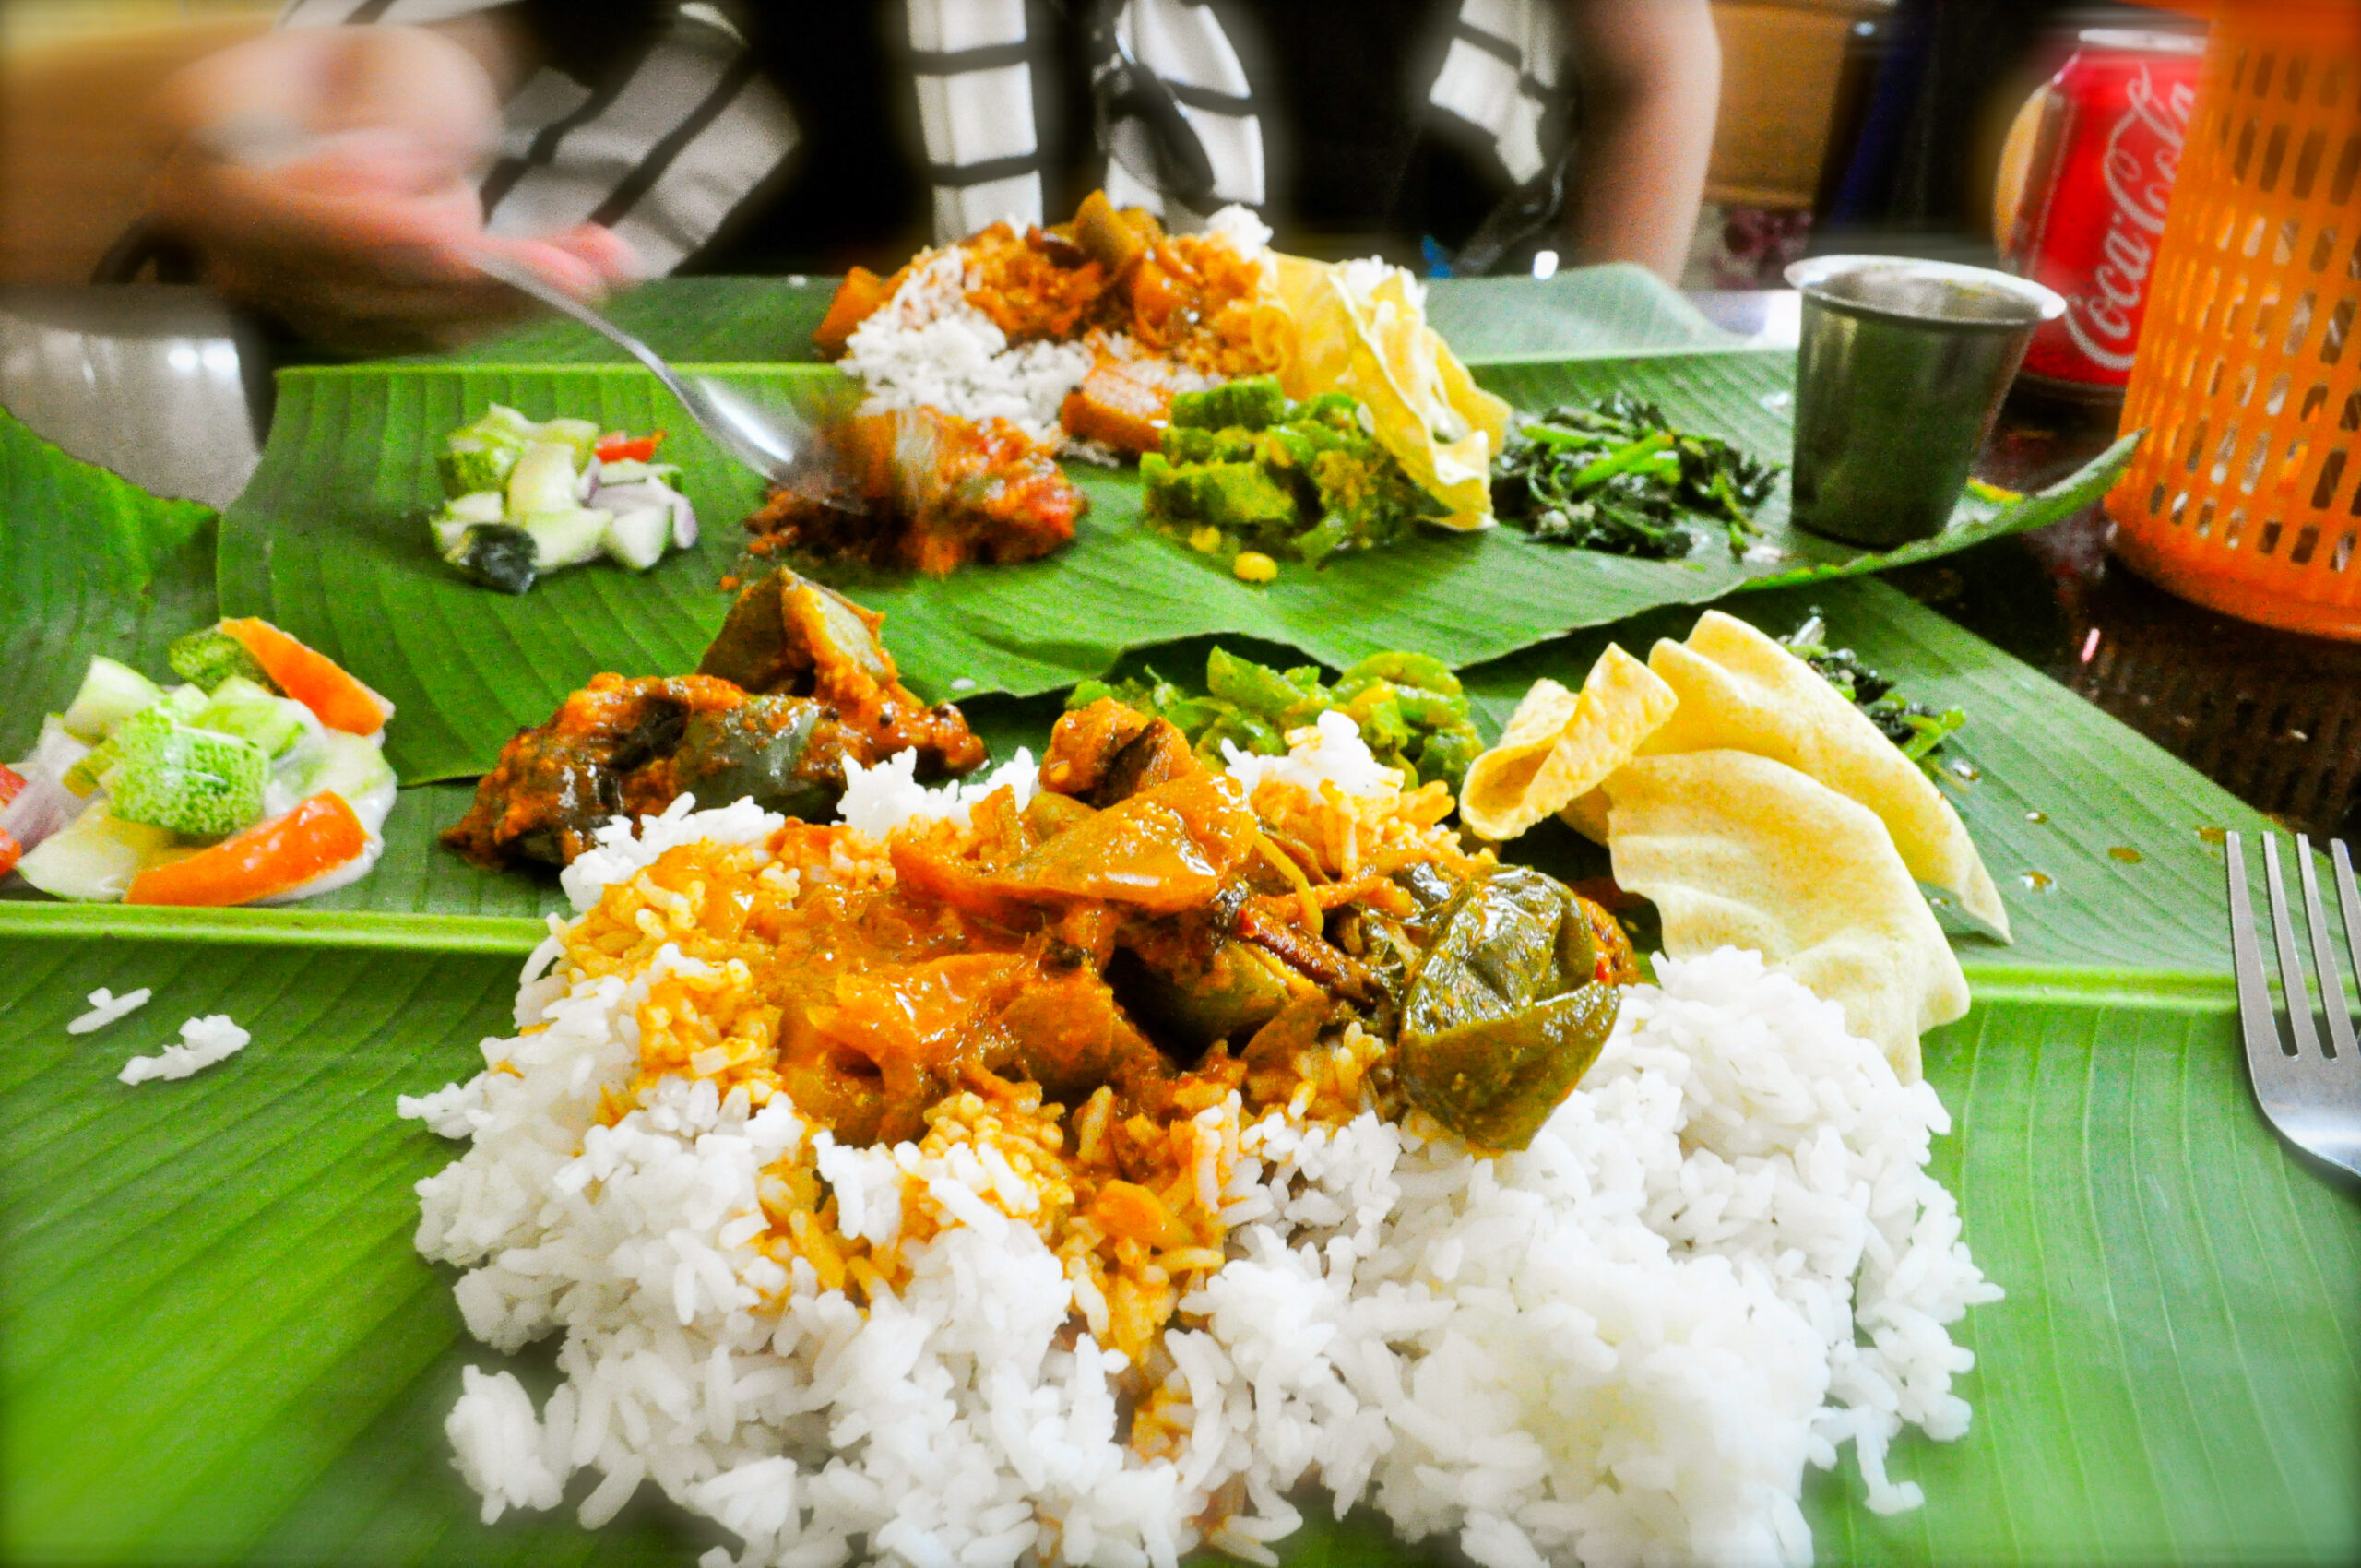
{"x":523,"y":498}
{"x":260,"y":779}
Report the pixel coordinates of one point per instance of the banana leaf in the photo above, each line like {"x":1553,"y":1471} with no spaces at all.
{"x":89,"y":564}
{"x":216,"y":1344}
{"x":329,"y":541}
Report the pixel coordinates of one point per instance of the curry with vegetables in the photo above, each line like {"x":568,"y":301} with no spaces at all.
{"x":923,"y":491}
{"x":1093,"y":980}
{"x":795,"y":683}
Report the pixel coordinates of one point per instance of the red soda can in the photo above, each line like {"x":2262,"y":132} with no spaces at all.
{"x":2084,"y":183}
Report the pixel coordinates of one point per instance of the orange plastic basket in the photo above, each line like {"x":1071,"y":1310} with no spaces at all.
{"x":2247,"y":495}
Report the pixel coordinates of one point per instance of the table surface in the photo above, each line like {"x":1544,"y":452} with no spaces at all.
{"x":150,"y":382}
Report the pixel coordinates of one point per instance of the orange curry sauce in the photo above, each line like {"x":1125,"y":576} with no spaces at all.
{"x":971,"y":987}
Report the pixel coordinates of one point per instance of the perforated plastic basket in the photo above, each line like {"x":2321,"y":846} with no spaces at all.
{"x":2246,"y":496}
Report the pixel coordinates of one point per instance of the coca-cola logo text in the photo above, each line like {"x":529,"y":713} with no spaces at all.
{"x":2143,"y":160}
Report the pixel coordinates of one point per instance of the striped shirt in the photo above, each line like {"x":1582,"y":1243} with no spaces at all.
{"x":672,"y":143}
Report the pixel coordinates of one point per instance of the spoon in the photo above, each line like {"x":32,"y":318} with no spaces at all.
{"x":778,"y":449}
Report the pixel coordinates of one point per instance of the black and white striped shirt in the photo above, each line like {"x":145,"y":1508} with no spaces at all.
{"x":669,"y":148}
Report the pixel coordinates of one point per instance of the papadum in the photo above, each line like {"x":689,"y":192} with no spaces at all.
{"x":1736,"y":849}
{"x":1361,"y":328}
{"x":1739,"y":690}
{"x":1560,"y":745}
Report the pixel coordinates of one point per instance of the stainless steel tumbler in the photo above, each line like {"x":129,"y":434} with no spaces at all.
{"x":1903,"y":367}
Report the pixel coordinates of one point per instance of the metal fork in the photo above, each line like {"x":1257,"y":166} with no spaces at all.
{"x":2311,"y":1093}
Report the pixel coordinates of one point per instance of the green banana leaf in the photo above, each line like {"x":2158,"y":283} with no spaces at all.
{"x":216,"y":1344}
{"x":329,"y":541}
{"x":89,"y":564}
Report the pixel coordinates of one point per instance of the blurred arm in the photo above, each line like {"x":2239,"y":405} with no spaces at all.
{"x":1651,"y":76}
{"x":326,"y":176}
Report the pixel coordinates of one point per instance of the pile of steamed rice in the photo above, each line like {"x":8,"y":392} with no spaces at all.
{"x":928,"y":346}
{"x":1722,"y":1262}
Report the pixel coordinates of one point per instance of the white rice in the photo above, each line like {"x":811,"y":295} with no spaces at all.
{"x":1329,"y":750}
{"x":106,"y":1007}
{"x":204,"y":1041}
{"x":1720,"y":1262}
{"x":927,"y":347}
{"x":879,"y":800}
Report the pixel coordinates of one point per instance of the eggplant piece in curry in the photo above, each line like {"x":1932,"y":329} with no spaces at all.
{"x":795,"y":683}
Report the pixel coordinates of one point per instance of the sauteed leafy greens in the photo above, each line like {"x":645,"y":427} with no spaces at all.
{"x":1615,"y":476}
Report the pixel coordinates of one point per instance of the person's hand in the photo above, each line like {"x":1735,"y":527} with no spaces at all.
{"x":327,"y":177}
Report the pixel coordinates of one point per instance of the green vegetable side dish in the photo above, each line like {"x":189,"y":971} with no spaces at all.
{"x":134,"y":777}
{"x":1410,"y":710}
{"x":1615,"y":476}
{"x":523,"y":498}
{"x":1243,"y":469}
{"x":1918,"y":731}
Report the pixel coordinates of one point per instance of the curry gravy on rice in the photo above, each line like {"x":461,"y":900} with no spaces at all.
{"x":990,"y":988}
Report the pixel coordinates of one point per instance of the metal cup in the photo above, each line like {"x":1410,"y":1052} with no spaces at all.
{"x":1901,"y":370}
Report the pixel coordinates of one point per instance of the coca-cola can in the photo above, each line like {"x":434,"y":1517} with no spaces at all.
{"x":2097,"y":152}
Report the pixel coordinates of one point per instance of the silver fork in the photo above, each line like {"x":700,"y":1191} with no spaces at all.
{"x":2311,"y":1094}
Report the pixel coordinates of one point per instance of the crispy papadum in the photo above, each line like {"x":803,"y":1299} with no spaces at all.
{"x":1362,"y":329}
{"x":1740,"y":691}
{"x":1560,"y":745}
{"x":1738,"y":850}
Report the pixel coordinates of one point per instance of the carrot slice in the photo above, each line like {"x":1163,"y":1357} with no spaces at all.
{"x":270,"y":857}
{"x":10,"y":851}
{"x":312,"y":678}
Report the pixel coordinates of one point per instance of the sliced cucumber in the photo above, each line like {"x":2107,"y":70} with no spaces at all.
{"x":93,"y":858}
{"x":470,"y":464}
{"x":637,"y":539}
{"x":580,"y":436}
{"x":543,"y":479}
{"x":568,"y":538}
{"x":199,"y":782}
{"x":110,"y":693}
{"x":480,"y":456}
{"x":238,"y":689}
{"x":240,"y":707}
{"x":168,"y":712}
{"x":500,"y":421}
{"x":624,"y":470}
{"x":348,"y":764}
{"x":478,"y":506}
